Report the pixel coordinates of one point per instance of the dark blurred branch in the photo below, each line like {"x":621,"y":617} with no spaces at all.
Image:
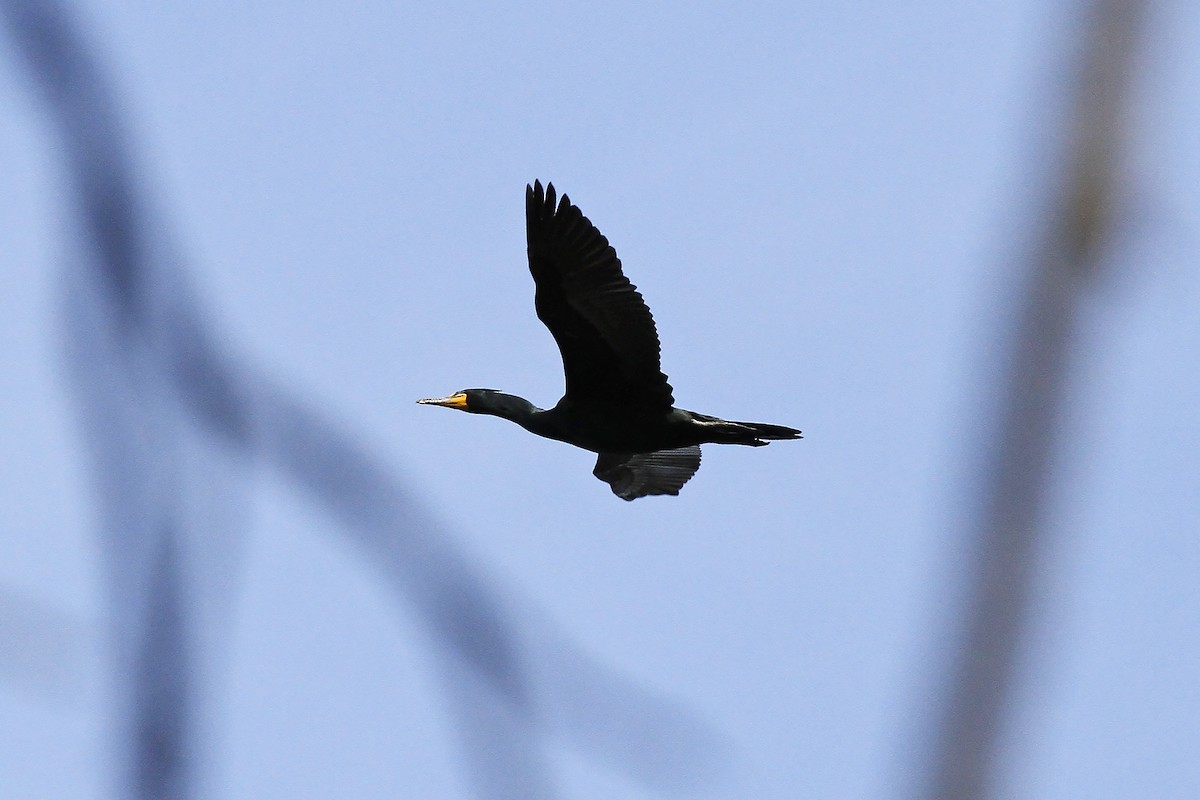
{"x":117,"y":353}
{"x":1063,"y":268}
{"x":148,"y":374}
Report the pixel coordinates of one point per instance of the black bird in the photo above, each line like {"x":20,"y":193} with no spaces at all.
{"x":617,"y":402}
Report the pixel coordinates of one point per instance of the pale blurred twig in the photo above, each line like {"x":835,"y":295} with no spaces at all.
{"x":1063,"y":267}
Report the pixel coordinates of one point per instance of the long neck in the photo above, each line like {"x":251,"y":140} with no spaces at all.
{"x":515,"y":409}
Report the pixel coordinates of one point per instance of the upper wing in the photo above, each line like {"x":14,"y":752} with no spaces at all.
{"x":604,"y":330}
{"x":662,"y":472}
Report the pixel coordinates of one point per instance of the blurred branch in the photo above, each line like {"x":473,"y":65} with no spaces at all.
{"x":148,"y":375}
{"x":1008,"y":538}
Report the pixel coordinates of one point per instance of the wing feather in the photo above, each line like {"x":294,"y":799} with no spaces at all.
{"x":639,"y":475}
{"x":604,"y":330}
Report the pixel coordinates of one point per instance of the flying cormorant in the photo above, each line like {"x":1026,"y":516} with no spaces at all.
{"x":617,"y":402}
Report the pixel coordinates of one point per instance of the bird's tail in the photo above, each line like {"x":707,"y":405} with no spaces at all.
{"x":754,"y":434}
{"x":765,"y":430}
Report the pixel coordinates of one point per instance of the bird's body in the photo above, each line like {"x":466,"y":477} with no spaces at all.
{"x":617,"y":401}
{"x":604,"y":428}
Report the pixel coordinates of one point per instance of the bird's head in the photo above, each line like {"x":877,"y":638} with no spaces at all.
{"x":482,"y":401}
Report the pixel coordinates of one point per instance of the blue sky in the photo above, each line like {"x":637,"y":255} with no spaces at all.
{"x":826,"y":207}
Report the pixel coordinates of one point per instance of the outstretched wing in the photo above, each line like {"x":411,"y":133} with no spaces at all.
{"x":604,"y":330}
{"x":661,"y":472}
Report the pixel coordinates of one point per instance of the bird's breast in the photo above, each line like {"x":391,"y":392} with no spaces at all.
{"x":605,"y":429}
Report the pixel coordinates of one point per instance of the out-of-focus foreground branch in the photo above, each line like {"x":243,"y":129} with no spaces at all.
{"x":173,"y":424}
{"x":1063,"y":267}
